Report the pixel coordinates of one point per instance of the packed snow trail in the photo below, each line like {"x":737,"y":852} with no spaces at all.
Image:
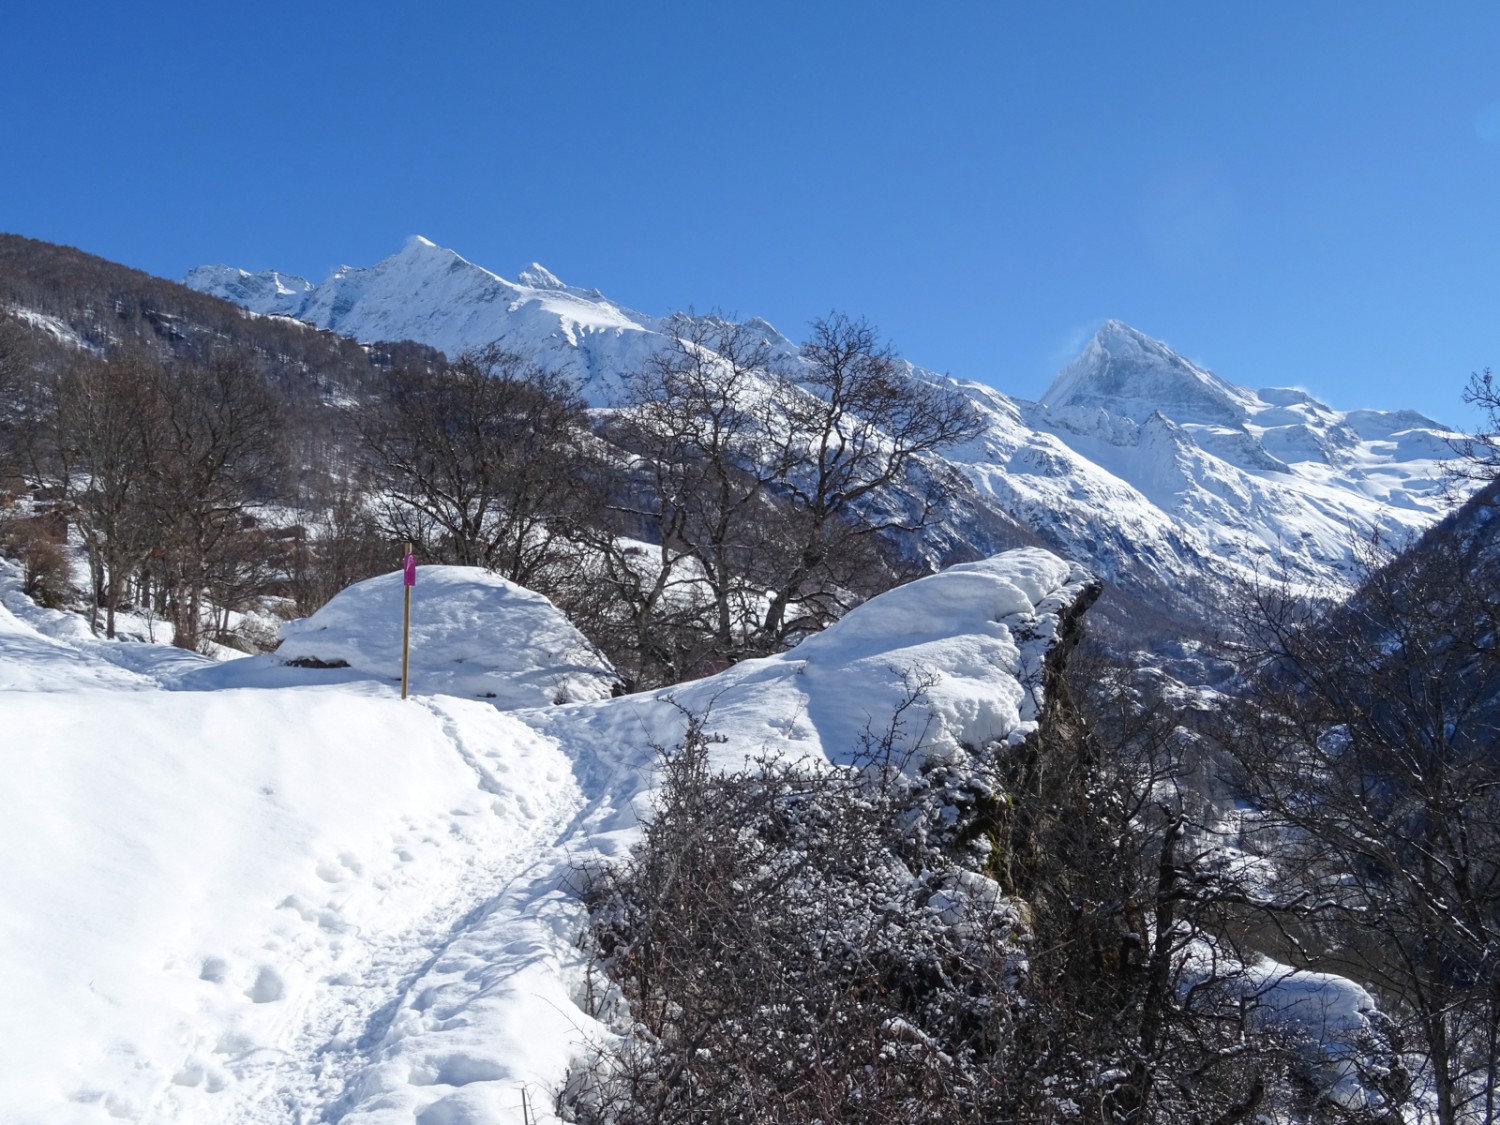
{"x":264,"y":897}
{"x":367,"y":1011}
{"x":227,"y":903}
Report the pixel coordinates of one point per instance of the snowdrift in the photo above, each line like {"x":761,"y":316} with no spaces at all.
{"x":472,"y":634}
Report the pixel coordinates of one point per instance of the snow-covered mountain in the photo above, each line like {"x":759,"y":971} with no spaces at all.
{"x":432,"y":295}
{"x":1143,"y":463}
{"x":1166,"y":479}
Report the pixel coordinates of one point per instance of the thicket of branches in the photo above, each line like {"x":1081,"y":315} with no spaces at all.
{"x":1370,"y":745}
{"x":768,"y":487}
{"x":1036,"y":934}
{"x":777,"y":945}
{"x":155,"y":465}
{"x":203,"y":457}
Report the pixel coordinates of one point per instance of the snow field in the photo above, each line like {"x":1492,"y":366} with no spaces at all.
{"x":281,"y":894}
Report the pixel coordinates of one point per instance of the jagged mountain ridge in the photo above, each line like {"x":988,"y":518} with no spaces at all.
{"x":432,"y":295}
{"x":1163,"y":477}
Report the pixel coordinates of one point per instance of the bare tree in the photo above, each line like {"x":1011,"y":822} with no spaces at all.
{"x":1479,"y":452}
{"x":768,"y":487}
{"x":104,"y":430}
{"x":855,"y":425}
{"x":15,"y":365}
{"x":698,"y":431}
{"x":39,"y":544}
{"x":218,"y":453}
{"x":1141,"y":1002}
{"x":341,"y":544}
{"x":481,"y":464}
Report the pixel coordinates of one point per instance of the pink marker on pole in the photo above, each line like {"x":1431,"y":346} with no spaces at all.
{"x":408,"y":580}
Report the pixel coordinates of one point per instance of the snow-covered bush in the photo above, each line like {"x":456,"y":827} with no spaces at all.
{"x":787,"y":954}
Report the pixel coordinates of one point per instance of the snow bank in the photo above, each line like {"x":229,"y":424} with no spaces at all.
{"x":970,"y":641}
{"x":1333,"y":1015}
{"x":49,"y":650}
{"x":472,"y":633}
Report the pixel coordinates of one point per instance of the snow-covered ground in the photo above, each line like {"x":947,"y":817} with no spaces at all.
{"x":252,"y":892}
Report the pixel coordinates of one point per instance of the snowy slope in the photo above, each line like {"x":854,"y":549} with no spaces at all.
{"x":1160,"y":476}
{"x":256,"y":893}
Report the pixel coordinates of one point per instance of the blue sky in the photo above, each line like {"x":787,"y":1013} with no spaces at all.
{"x":1302,"y":194}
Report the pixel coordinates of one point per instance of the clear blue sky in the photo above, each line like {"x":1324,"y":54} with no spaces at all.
{"x":1291,"y":193}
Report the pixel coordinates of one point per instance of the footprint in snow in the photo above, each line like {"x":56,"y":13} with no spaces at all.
{"x":268,"y":986}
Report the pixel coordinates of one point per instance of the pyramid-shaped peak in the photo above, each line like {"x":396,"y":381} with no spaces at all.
{"x":538,"y":276}
{"x":1127,"y":373}
{"x":423,"y":258}
{"x":420,"y":249}
{"x":1116,"y":333}
{"x":1117,"y":339}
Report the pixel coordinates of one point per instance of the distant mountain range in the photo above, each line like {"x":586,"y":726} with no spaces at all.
{"x":1166,"y":479}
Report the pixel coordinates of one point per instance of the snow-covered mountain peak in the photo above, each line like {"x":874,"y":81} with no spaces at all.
{"x":1118,"y":337}
{"x":1137,"y":461}
{"x":1129,"y":374}
{"x":424,"y":257}
{"x":1292,"y":396}
{"x":421,"y":249}
{"x":538,"y":276}
{"x":764,"y":327}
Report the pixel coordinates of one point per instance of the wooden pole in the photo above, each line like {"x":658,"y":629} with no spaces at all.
{"x":405,"y":620}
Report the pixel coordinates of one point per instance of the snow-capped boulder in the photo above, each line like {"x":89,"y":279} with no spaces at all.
{"x":957,"y":659}
{"x":473,"y":633}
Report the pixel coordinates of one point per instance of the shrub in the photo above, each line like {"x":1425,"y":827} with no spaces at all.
{"x":788,"y":953}
{"x":38,"y":544}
